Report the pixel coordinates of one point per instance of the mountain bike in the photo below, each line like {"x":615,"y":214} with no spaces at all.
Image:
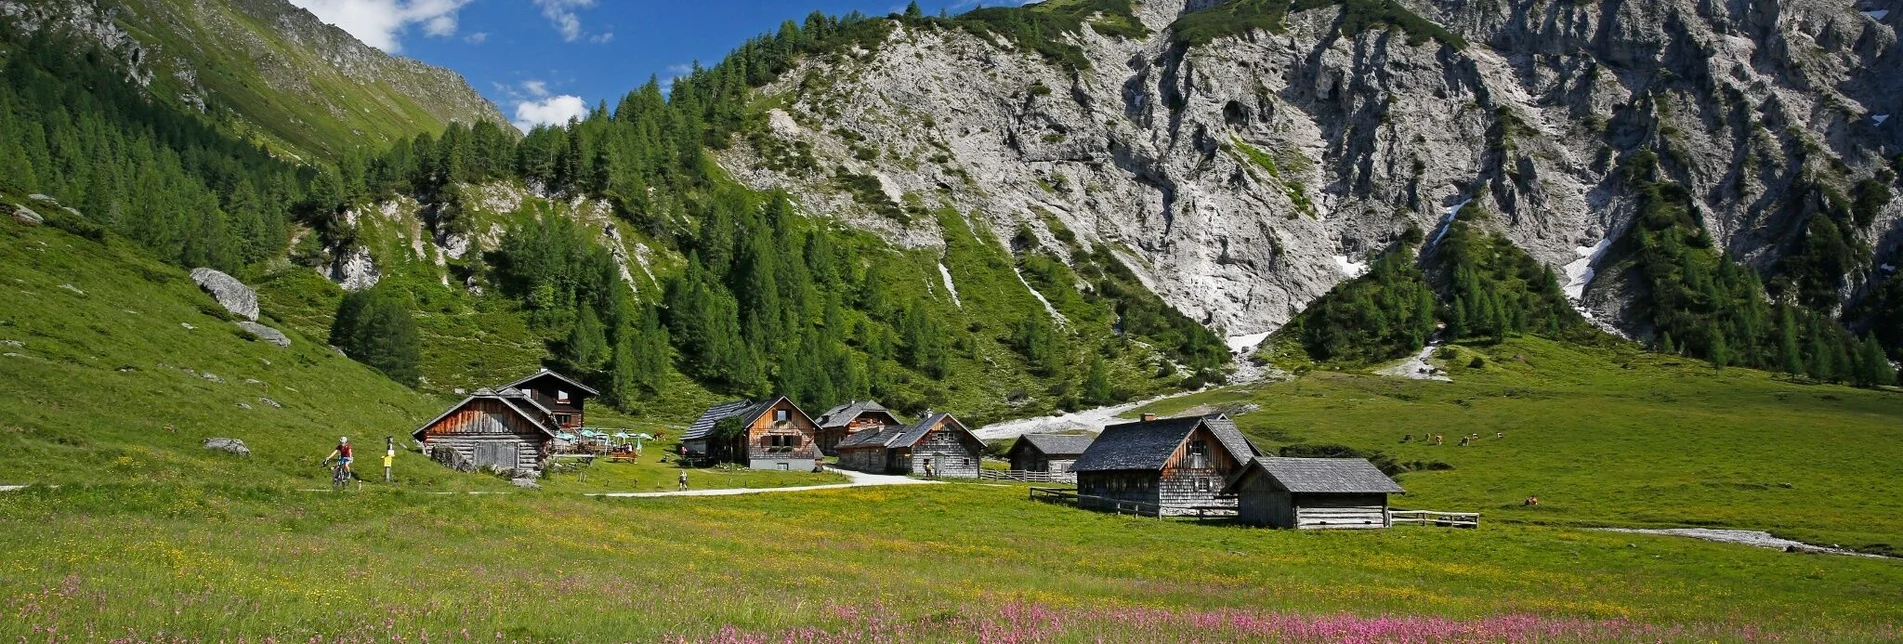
{"x":339,"y":475}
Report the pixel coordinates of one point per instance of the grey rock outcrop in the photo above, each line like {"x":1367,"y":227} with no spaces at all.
{"x":265,"y":333}
{"x":231,"y":446}
{"x":354,"y":269}
{"x":1242,"y":178}
{"x":230,"y":293}
{"x":26,"y":216}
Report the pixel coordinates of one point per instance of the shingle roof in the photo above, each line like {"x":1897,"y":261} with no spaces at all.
{"x":509,"y":398}
{"x":1136,"y":446}
{"x":1232,"y":438}
{"x":1058,"y":444}
{"x":880,"y":437}
{"x":1148,"y":445}
{"x":1327,"y":475}
{"x":585,"y":388}
{"x":844,"y":414}
{"x":747,"y":409}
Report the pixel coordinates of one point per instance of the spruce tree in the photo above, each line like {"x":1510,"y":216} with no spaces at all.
{"x":586,"y":348}
{"x":1718,"y":352}
{"x":1790,"y":359}
{"x":1097,"y":383}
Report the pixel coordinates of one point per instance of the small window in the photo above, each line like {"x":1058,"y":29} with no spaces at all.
{"x":793,"y":441}
{"x":561,"y":419}
{"x":966,"y":462}
{"x":785,"y":466}
{"x":780,"y":415}
{"x":561,"y":396}
{"x":1202,"y":485}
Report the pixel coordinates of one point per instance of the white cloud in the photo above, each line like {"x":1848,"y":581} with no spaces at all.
{"x":381,"y":23}
{"x":476,"y":38}
{"x":554,"y":110}
{"x":564,"y":15}
{"x":535,"y":88}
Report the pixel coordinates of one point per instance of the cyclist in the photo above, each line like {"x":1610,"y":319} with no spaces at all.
{"x":342,"y":454}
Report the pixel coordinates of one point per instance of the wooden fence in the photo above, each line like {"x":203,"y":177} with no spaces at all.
{"x":1067,"y":496}
{"x":1027,"y":476}
{"x":1430,"y":517}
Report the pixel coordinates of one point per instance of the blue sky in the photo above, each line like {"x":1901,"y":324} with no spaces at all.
{"x":542,"y":61}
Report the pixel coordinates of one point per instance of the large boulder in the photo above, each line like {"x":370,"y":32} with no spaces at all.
{"x":26,"y":216}
{"x":265,"y":333}
{"x":231,"y":446}
{"x":237,"y":298}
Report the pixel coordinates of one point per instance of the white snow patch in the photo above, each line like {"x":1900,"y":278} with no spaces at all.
{"x":1243,"y":343}
{"x":950,"y":287}
{"x":1350,"y":268}
{"x":1580,"y":272}
{"x":1447,"y":221}
{"x":1878,"y":14}
{"x":1879,"y":118}
{"x":1055,"y":316}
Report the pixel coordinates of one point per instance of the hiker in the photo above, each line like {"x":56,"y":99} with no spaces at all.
{"x":683,"y":480}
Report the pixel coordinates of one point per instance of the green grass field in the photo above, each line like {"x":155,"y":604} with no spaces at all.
{"x":149,"y":538}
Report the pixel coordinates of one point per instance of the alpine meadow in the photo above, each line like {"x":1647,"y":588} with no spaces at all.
{"x":1059,"y":321}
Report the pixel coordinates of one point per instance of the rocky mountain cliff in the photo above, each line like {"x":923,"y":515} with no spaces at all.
{"x":303,"y":86}
{"x":1242,"y":172}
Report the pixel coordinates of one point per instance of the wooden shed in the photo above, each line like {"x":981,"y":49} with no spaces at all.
{"x":1053,"y":453}
{"x":937,"y":445}
{"x":851,"y":418}
{"x":775,"y":434}
{"x":504,"y":430}
{"x":1313,"y":493}
{"x":562,"y":396}
{"x":1164,"y":467}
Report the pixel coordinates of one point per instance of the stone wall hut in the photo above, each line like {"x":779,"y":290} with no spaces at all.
{"x":1162,"y":467}
{"x":504,"y":430}
{"x":1053,"y":453}
{"x":851,"y":418}
{"x":772,"y":434}
{"x":937,"y":445}
{"x":1313,"y":493}
{"x":561,"y":395}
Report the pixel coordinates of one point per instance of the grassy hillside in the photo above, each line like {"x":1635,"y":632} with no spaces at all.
{"x":1606,"y":436}
{"x":109,"y":367}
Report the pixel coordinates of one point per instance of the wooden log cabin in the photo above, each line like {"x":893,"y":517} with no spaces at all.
{"x":938,"y":445}
{"x":1313,"y":493}
{"x":851,"y":418}
{"x":503,"y":430}
{"x":1164,"y":467}
{"x":563,"y":396}
{"x":1052,"y":453}
{"x":772,"y":434}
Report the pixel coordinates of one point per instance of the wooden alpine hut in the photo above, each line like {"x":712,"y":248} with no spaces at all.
{"x":938,"y":445}
{"x":562,"y":396}
{"x":1313,"y":493}
{"x":765,"y":434}
{"x":504,"y":430}
{"x":1162,"y":467}
{"x":1051,"y":453}
{"x":851,"y":418}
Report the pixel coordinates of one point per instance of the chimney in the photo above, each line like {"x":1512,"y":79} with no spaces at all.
{"x":1149,"y":417}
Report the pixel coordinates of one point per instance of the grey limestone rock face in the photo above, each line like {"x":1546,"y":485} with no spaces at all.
{"x":265,"y":333}
{"x":231,"y":446}
{"x":1243,"y":178}
{"x":230,"y":293}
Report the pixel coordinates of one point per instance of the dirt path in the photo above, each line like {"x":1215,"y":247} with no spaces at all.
{"x":1417,"y":367}
{"x":1744,"y":537}
{"x":1087,"y":419}
{"x":858,"y":479}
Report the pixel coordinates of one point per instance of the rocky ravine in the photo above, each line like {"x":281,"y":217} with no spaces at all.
{"x":1148,"y":151}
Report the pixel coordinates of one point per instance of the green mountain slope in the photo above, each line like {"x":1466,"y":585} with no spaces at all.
{"x":270,"y":71}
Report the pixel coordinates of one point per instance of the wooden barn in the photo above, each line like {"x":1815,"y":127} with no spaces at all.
{"x":937,"y":445}
{"x":1313,"y":493}
{"x":773,"y":434}
{"x":561,"y":395}
{"x":503,"y":430}
{"x":1163,"y":467}
{"x":1052,"y":453}
{"x":851,"y":418}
